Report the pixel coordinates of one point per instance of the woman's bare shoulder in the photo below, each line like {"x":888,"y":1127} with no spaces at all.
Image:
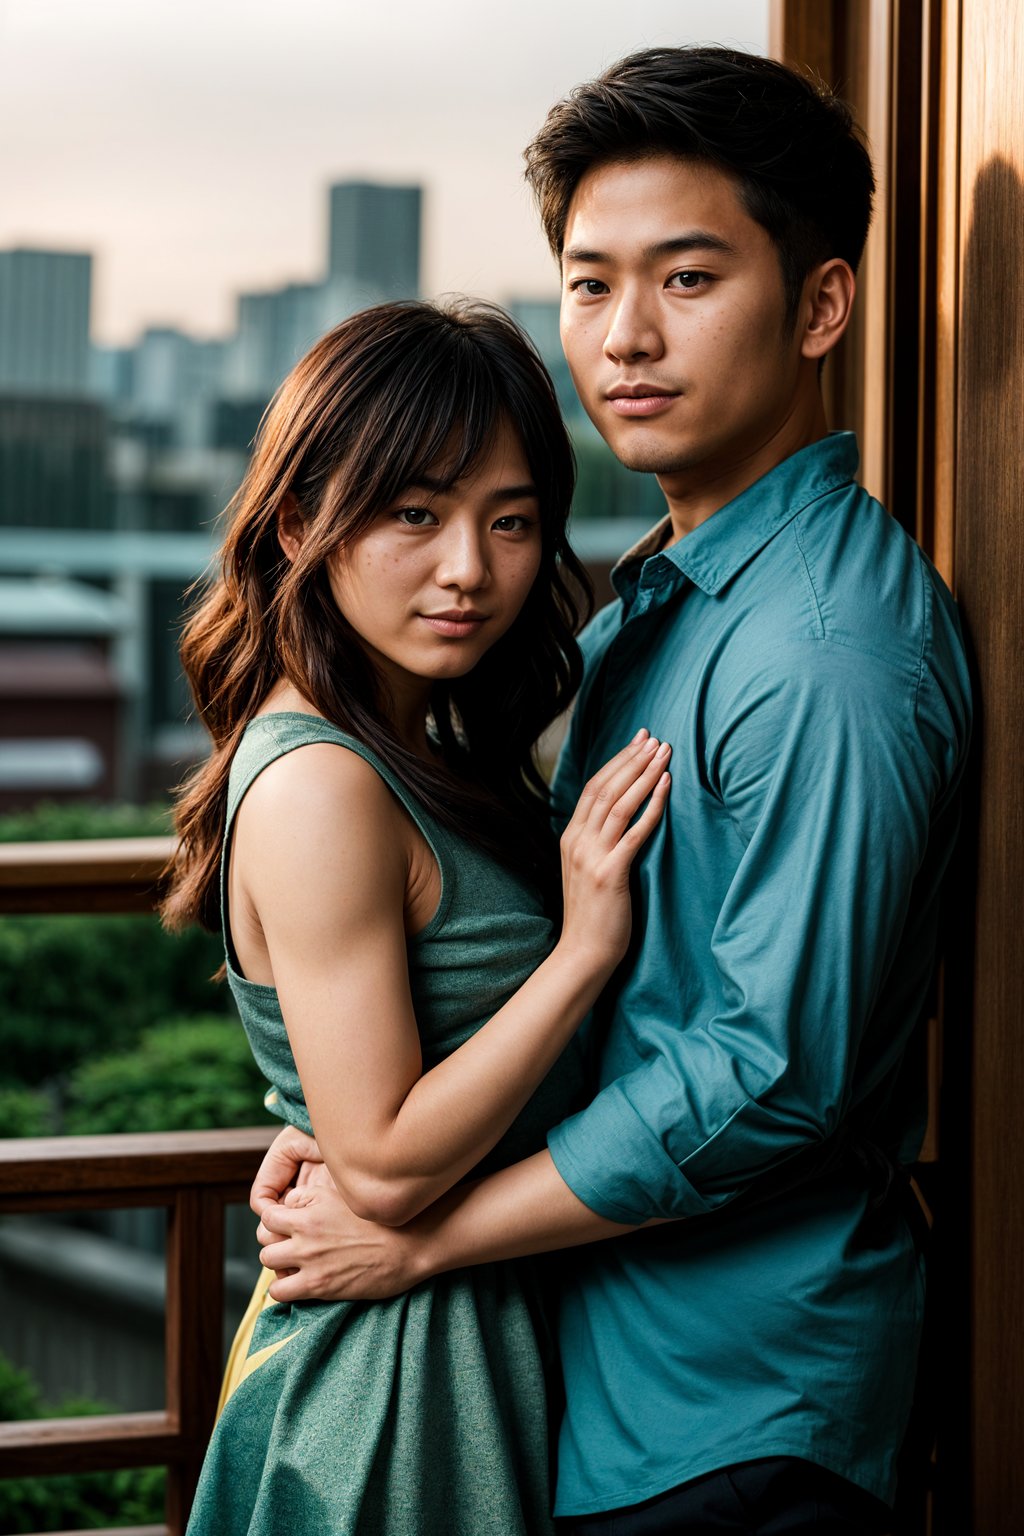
{"x":321,"y":807}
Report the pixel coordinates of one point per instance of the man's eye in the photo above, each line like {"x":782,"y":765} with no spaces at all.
{"x":589,"y":287}
{"x":415,"y":517}
{"x":688,"y":279}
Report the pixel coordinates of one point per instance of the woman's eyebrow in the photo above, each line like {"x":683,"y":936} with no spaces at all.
{"x":526,"y":491}
{"x":514,"y":493}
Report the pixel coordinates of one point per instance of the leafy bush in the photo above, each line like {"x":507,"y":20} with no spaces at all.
{"x":83,"y":1502}
{"x":185,"y":1075}
{"x":77,"y":986}
{"x":24,"y":1111}
{"x":48,"y":822}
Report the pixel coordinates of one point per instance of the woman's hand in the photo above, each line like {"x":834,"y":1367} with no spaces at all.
{"x":293,"y":1160}
{"x":600,"y":843}
{"x":321,"y":1252}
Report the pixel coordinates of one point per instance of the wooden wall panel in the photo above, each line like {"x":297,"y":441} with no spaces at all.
{"x":989,"y":561}
{"x":933,"y":378}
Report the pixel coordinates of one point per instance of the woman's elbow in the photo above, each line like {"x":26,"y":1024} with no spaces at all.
{"x":390,"y":1202}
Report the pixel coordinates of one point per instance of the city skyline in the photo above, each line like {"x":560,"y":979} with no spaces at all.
{"x":187,"y":146}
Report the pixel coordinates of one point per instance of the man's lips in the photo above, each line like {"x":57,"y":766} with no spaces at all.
{"x":639,"y":399}
{"x":454,"y":622}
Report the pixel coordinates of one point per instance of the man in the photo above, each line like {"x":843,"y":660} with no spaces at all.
{"x":750,"y":1365}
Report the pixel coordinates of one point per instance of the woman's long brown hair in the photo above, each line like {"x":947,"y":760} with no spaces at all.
{"x":391,"y":395}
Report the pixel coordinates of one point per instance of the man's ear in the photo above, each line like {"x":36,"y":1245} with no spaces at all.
{"x":291,"y":529}
{"x":825,"y":307}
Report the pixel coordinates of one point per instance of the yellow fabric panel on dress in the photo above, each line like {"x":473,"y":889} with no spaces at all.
{"x":239,"y":1365}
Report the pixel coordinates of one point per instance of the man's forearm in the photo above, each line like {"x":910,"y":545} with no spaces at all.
{"x":525,"y":1209}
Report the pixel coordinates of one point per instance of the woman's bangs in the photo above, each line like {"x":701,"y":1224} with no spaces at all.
{"x":459,"y":408}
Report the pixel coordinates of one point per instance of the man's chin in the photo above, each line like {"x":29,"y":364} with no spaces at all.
{"x":652,"y":458}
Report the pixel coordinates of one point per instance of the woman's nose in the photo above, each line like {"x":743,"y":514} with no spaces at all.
{"x":463,"y":560}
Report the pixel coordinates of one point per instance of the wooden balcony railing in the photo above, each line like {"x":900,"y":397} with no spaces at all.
{"x":193,"y":1174}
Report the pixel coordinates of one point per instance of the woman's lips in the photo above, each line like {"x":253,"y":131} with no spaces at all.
{"x":640,"y":405}
{"x":455,"y":629}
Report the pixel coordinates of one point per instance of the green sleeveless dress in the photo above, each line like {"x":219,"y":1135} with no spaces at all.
{"x":426,"y":1415}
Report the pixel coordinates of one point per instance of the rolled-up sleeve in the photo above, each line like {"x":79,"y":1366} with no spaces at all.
{"x":827,"y":786}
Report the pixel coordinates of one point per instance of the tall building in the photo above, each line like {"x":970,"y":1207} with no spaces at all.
{"x":539,"y":318}
{"x":44,"y":322}
{"x":53,"y":463}
{"x":175,"y":378}
{"x":273,"y":330}
{"x":374,"y":238}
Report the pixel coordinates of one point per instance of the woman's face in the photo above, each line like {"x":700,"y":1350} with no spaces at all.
{"x":440,"y":575}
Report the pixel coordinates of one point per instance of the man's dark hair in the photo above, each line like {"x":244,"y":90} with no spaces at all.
{"x":803,"y":170}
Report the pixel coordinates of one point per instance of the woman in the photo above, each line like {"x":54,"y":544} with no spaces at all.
{"x":394,"y":602}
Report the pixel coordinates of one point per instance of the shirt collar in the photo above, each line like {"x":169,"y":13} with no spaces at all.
{"x":720,"y":547}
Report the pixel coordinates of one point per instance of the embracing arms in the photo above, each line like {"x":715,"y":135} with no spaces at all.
{"x":843,"y":808}
{"x":329,"y":893}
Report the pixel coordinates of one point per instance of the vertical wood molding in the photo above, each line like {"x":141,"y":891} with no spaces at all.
{"x":989,"y":565}
{"x":947,"y":289}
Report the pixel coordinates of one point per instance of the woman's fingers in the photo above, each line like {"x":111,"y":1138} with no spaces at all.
{"x":636,"y":835}
{"x":615,"y":794}
{"x":632,"y":796}
{"x":625,"y":762}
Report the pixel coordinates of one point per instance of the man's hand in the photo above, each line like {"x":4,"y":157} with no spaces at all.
{"x":321,"y":1252}
{"x":293,"y":1161}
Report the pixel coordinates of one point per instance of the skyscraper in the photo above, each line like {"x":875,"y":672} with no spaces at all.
{"x":44,"y":322}
{"x":374,"y":239}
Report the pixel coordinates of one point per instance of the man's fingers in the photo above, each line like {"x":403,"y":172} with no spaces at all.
{"x":293,"y":1286}
{"x":285,"y":1156}
{"x":279,"y":1219}
{"x":278,"y":1256}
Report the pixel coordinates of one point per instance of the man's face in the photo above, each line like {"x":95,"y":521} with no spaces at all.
{"x":674,"y":319}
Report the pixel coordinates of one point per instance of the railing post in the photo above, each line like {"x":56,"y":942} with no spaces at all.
{"x":195,"y":1324}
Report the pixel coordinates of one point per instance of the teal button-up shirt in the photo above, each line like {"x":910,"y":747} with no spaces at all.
{"x":805,"y":661}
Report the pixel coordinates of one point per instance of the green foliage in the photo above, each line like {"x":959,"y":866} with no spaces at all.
{"x":84,"y":1502}
{"x":24,"y":1111}
{"x":74,"y":987}
{"x":19,"y":1395}
{"x":47,"y":822}
{"x":185,"y":1075}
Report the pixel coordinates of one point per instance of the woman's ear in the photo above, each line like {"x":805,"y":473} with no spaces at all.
{"x":827,"y":301}
{"x":291,"y":530}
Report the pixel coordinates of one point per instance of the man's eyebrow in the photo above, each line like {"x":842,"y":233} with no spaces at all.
{"x":675,"y":245}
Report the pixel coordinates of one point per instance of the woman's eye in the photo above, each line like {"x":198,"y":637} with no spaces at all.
{"x":513,"y":523}
{"x":415,"y":517}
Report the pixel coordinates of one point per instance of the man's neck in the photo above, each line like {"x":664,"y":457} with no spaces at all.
{"x":694,"y":495}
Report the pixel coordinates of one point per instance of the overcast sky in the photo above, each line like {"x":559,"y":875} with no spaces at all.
{"x":188,"y":143}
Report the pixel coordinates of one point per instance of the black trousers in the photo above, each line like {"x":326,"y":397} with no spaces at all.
{"x":777,"y":1496}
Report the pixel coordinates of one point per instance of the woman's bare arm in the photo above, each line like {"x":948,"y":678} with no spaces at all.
{"x":328,"y":885}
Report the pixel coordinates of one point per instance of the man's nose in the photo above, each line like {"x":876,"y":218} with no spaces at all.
{"x":633,"y":331}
